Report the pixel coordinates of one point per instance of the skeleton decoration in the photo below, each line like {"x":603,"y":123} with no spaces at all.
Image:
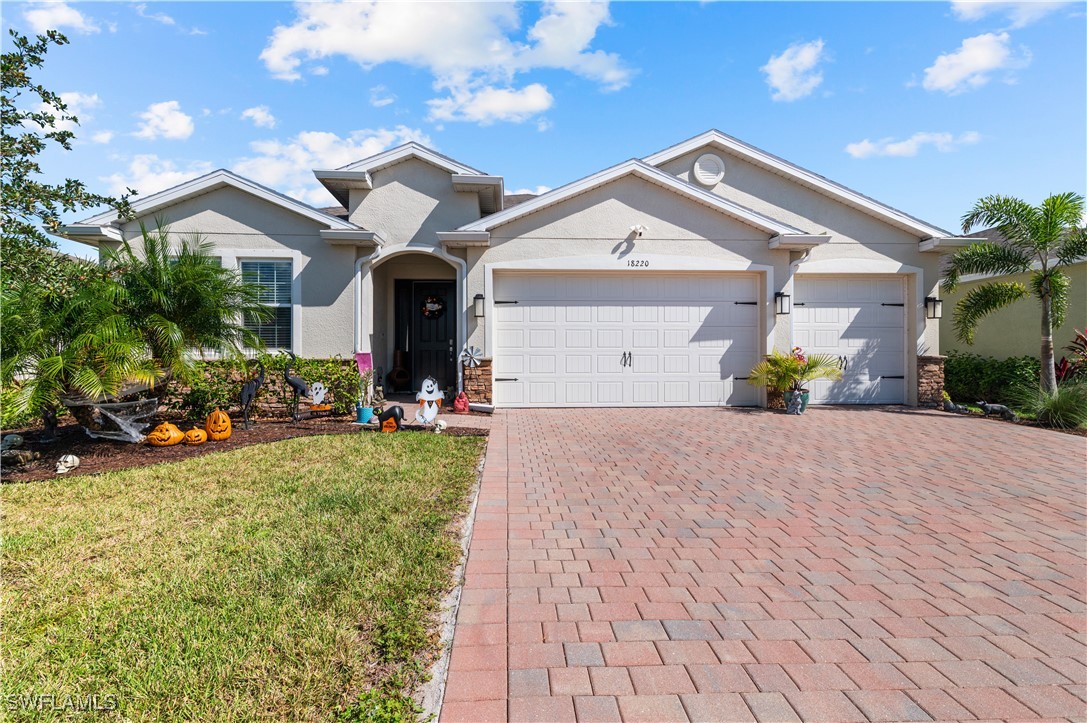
{"x":440,"y":426}
{"x":430,"y":401}
{"x":67,"y":463}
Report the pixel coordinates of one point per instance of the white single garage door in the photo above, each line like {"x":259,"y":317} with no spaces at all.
{"x":624,"y":339}
{"x":861,"y":320}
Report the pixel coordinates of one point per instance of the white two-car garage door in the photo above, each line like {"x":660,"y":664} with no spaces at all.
{"x":624,"y":339}
{"x":860,"y":320}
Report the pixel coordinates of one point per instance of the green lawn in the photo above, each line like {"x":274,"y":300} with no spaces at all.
{"x":276,"y":581}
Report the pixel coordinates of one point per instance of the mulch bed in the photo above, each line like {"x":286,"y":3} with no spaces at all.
{"x":100,"y":455}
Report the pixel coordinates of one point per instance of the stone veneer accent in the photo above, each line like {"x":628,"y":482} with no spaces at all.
{"x":477,"y":382}
{"x":930,"y":381}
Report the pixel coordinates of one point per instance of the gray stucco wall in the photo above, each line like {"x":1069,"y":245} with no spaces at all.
{"x":242,"y":226}
{"x":410,"y":202}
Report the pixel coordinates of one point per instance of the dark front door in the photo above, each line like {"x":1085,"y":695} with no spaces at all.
{"x":433,"y":314}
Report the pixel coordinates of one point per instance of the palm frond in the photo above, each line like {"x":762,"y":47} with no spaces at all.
{"x":1060,"y":213}
{"x":1016,"y":219}
{"x":983,"y":258}
{"x":982,"y":301}
{"x":1073,"y":248}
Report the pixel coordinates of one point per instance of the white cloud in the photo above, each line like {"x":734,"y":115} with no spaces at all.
{"x":288,"y":165}
{"x":792,"y":75}
{"x":943,"y":142}
{"x":469,"y":48}
{"x":972,"y":65}
{"x":42,"y":16}
{"x":260,"y":115}
{"x":165,"y":120}
{"x":539,"y":190}
{"x":150,"y":174}
{"x":381,"y":97}
{"x":486,"y":105}
{"x":141,"y":10}
{"x":543,"y":124}
{"x":79,"y":105}
{"x":102,"y":137}
{"x":1020,"y":14}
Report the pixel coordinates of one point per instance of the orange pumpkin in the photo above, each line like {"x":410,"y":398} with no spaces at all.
{"x":196,"y":437}
{"x":165,"y":435}
{"x":218,"y":426}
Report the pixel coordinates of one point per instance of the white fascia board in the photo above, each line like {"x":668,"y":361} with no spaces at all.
{"x":211,"y":182}
{"x":947,"y":244}
{"x":797,"y":242}
{"x":340,"y":183}
{"x":464,"y":239}
{"x":645,"y":172}
{"x":89,"y":234}
{"x":801,"y":175}
{"x":491,"y":190}
{"x":404,"y":152}
{"x":352,"y":237}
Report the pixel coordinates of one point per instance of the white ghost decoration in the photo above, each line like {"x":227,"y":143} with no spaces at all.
{"x":67,"y":463}
{"x":318,"y":392}
{"x":430,"y":401}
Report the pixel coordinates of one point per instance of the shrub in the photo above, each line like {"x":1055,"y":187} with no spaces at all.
{"x":1065,"y":409}
{"x":218,"y":384}
{"x":971,"y":377}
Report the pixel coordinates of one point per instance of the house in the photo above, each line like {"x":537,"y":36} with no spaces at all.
{"x":658,"y":281}
{"x":1015,"y":330}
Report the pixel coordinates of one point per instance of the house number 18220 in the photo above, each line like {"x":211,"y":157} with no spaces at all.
{"x":637,"y":262}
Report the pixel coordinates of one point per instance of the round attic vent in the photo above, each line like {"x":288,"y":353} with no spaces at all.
{"x":709,"y":169}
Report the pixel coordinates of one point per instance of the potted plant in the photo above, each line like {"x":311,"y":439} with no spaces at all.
{"x":788,"y":373}
{"x":776,"y":372}
{"x":365,"y":409}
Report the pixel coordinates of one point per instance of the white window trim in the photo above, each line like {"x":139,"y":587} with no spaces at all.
{"x":232,"y":258}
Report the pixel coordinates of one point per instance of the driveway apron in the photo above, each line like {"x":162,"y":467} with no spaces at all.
{"x":851,"y":564}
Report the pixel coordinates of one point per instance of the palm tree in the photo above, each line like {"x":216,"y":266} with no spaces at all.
{"x":66,"y":345}
{"x":183,"y":301}
{"x":1038,"y":239}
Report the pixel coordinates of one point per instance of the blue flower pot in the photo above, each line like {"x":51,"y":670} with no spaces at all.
{"x":364,"y":414}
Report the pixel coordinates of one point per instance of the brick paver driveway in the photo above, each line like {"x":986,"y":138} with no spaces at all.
{"x":849,"y":564}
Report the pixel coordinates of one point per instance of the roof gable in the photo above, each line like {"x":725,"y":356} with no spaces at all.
{"x":214,"y":181}
{"x":403,"y":153}
{"x":802,"y":176}
{"x":645,"y":172}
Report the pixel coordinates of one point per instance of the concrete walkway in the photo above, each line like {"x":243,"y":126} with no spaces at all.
{"x":847,"y":565}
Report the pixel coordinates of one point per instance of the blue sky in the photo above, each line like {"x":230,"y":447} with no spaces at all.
{"x":926,"y":106}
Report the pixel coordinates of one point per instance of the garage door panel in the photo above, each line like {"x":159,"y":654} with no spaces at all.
{"x":579,"y":392}
{"x":579,"y":338}
{"x":609,"y":393}
{"x":858,"y":318}
{"x":609,"y":338}
{"x":646,"y":393}
{"x":578,"y":364}
{"x":572,"y":346}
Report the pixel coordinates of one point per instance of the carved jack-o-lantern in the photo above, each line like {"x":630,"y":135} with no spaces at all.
{"x":196,"y":436}
{"x":218,"y":426}
{"x":165,"y":435}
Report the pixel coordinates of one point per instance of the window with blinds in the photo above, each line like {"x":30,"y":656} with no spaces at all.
{"x":274,"y":279}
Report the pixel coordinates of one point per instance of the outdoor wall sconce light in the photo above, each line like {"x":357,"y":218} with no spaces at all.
{"x":783,"y":303}
{"x":934,"y":308}
{"x":477,"y":306}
